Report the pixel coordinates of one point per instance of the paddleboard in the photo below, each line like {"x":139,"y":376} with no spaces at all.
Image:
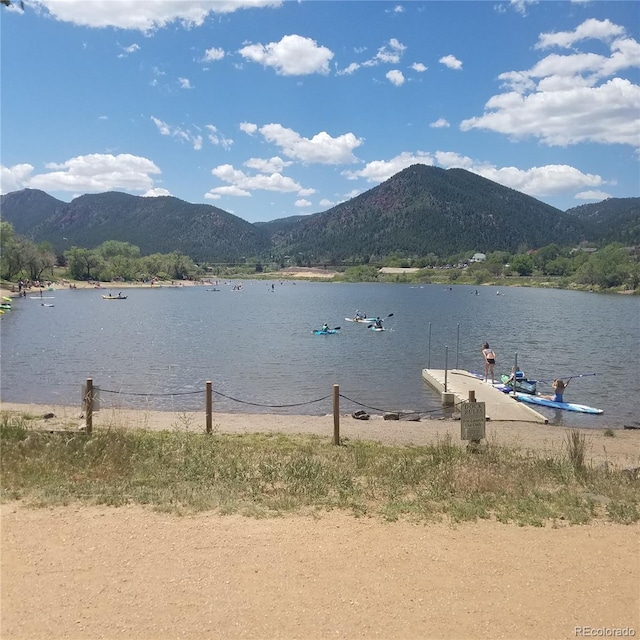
{"x":567,"y":406}
{"x":41,"y":297}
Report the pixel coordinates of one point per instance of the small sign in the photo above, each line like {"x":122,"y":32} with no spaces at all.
{"x":473,"y":420}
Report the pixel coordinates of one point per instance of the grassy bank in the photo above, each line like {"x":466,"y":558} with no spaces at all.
{"x":266,"y":475}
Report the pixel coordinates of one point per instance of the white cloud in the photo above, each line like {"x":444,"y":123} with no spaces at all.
{"x":440,"y":123}
{"x":548,"y":180}
{"x":326,"y":203}
{"x":218,"y":192}
{"x":596,"y":196}
{"x":97,"y":173}
{"x":395,"y":77}
{"x":571,"y":99}
{"x":15,"y":177}
{"x":184,"y":83}
{"x":248,"y":127}
{"x":127,"y":51}
{"x":603,"y":30}
{"x":145,"y":16}
{"x":302,"y":203}
{"x":215,"y":137}
{"x":521,"y":5}
{"x":419,"y":67}
{"x":293,"y":56}
{"x":155,"y":192}
{"x":271,"y":165}
{"x":194,"y":139}
{"x":347,"y":71}
{"x":321,"y":149}
{"x":381,"y":170}
{"x":246,"y":183}
{"x":213,"y":54}
{"x":451,"y":61}
{"x":389,"y":53}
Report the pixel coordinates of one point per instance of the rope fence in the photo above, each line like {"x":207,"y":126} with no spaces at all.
{"x":93,"y":392}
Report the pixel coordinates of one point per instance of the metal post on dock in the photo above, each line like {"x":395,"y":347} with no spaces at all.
{"x":88,"y":399}
{"x":458,"y":346}
{"x":446,"y":366}
{"x":336,"y":414}
{"x":429,"y":352}
{"x":208,"y":404}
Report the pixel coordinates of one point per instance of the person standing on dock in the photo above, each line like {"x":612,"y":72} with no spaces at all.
{"x":489,"y":361}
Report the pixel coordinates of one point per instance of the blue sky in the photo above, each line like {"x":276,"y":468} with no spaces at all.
{"x":268,"y":109}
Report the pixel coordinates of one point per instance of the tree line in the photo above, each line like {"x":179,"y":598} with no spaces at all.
{"x":612,"y":266}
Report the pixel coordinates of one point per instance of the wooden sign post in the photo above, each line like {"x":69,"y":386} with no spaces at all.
{"x":473,"y":419}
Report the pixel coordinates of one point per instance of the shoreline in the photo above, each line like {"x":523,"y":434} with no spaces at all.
{"x":619,"y":451}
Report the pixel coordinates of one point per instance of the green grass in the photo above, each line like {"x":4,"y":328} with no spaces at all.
{"x":262,"y":475}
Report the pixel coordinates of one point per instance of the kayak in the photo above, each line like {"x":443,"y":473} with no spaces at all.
{"x":377,"y":328}
{"x":567,"y":406}
{"x":365,"y":320}
{"x":522,"y":384}
{"x":320,"y":332}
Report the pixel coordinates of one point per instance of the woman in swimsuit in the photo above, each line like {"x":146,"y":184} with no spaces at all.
{"x":489,"y":361}
{"x":558,"y":387}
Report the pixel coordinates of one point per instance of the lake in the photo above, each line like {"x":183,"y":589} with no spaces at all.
{"x":157,"y":349}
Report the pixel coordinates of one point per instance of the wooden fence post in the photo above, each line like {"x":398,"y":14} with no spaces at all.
{"x":208,"y":406}
{"x":88,"y":401}
{"x":336,"y":414}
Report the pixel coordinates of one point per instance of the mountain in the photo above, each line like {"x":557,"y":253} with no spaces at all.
{"x":425,"y":210}
{"x":612,"y":220}
{"x":156,"y":225}
{"x":418,"y":211}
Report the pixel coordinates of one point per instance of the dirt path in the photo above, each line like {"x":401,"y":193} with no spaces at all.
{"x":85,"y":572}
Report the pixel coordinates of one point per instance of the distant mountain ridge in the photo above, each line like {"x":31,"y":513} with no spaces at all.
{"x":418,"y":211}
{"x":156,"y":225}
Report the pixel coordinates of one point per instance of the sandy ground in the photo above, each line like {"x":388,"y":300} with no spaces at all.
{"x":91,"y":572}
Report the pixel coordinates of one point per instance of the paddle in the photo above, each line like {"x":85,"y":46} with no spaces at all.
{"x":581,"y":375}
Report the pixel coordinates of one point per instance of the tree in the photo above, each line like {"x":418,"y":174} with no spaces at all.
{"x":81,"y":262}
{"x":522,"y":264}
{"x":607,"y":268}
{"x":113,"y":248}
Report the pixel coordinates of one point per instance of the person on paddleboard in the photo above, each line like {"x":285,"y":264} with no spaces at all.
{"x":558,"y":388}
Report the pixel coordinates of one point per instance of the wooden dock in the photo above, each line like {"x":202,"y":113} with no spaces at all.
{"x":499,"y":405}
